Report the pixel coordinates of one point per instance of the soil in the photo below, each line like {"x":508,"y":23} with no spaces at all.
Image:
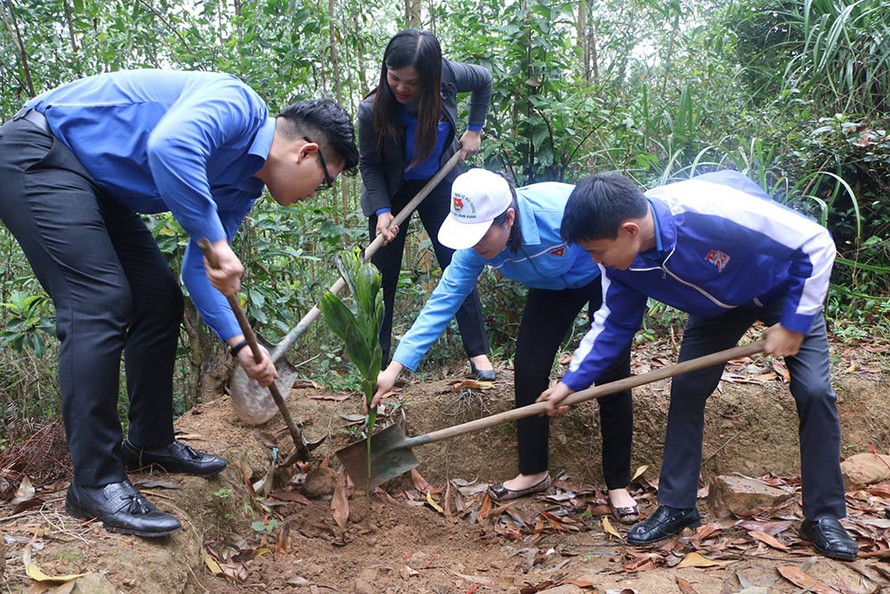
{"x":434,"y":531}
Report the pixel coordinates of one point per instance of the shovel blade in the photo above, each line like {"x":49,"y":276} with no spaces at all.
{"x":391,"y":456}
{"x":253,"y":403}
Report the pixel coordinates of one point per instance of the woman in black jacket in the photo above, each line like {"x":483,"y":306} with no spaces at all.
{"x":407,"y":130}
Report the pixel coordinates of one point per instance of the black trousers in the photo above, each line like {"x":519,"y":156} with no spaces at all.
{"x":546,"y":319}
{"x":113,"y":293}
{"x":819,"y":429}
{"x":433,"y":211}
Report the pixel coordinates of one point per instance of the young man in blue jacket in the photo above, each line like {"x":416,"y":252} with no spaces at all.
{"x":718,"y":248}
{"x":78,"y":165}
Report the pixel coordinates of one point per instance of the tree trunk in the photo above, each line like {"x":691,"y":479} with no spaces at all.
{"x":71,"y":35}
{"x":581,"y":31}
{"x":12,"y":26}
{"x":338,"y":90}
{"x":412,"y":14}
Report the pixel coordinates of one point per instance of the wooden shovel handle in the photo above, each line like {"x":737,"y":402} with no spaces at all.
{"x":302,"y":451}
{"x":594,"y":392}
{"x":288,"y":341}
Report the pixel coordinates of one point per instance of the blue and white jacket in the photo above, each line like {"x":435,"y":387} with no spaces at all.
{"x":543,"y":261}
{"x":721,"y":243}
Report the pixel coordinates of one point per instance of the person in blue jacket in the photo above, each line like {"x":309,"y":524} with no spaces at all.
{"x":718,"y":248}
{"x":78,"y":166}
{"x":516,"y":232}
{"x":407,"y":130}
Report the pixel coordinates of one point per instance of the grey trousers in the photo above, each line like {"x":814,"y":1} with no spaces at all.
{"x":819,"y":429}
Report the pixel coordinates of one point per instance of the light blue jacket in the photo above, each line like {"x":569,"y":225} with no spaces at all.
{"x":543,"y":261}
{"x":721,"y":244}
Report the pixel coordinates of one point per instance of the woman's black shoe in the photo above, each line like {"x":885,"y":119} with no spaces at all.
{"x":122,"y":508}
{"x":483,"y":375}
{"x":176,"y":457}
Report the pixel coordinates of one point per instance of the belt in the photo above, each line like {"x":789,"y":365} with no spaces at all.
{"x":30,"y":114}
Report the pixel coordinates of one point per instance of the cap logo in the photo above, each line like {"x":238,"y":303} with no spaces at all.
{"x":460,"y":203}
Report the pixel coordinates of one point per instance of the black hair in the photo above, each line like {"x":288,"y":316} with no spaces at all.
{"x":514,"y":241}
{"x":421,"y":50}
{"x":327,"y":124}
{"x":599,"y":204}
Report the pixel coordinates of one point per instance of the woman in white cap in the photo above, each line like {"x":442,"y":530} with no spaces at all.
{"x":516,"y":231}
{"x":407,"y":130}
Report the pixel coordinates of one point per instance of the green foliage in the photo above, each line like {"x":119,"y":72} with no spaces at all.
{"x":792,"y":93}
{"x":29,"y":322}
{"x":223,"y":492}
{"x":359,"y":329}
{"x":844,"y":60}
{"x":266,"y":527}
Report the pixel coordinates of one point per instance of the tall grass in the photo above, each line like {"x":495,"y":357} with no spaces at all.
{"x":844,"y":61}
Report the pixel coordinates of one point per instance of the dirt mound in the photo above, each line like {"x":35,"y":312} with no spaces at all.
{"x":453,"y":540}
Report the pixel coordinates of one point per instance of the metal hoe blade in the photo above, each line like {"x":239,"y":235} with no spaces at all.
{"x":391,"y":456}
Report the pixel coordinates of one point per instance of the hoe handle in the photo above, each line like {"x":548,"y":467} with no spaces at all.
{"x":595,"y":392}
{"x":302,"y":451}
{"x":288,"y":341}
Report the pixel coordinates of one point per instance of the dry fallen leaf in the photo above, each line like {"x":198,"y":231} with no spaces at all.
{"x":639,"y":472}
{"x":433,"y":504}
{"x":771,"y":528}
{"x":607,"y":527}
{"x":768,"y":540}
{"x":685,"y":586}
{"x":334,"y":397}
{"x":472,"y":385}
{"x":420,"y":483}
{"x":25,"y":491}
{"x":212,"y":565}
{"x":37,"y":575}
{"x":803,"y":580}
{"x":339,"y":502}
{"x":698,"y":560}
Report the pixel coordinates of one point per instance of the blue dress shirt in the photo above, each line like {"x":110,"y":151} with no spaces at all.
{"x":185,"y":142}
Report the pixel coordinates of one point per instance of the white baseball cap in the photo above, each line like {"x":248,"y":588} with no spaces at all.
{"x":477,"y":198}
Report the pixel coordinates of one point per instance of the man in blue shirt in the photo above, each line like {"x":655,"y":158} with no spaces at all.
{"x":78,"y":165}
{"x":718,"y":248}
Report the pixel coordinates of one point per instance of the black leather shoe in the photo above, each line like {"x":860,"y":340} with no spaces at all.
{"x":176,"y":457}
{"x":829,"y":538}
{"x":122,"y":508}
{"x":483,"y":375}
{"x":665,"y":522}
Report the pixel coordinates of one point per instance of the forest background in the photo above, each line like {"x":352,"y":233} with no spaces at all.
{"x":794,"y":94}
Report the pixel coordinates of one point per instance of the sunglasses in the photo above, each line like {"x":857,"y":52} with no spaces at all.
{"x":328,"y":183}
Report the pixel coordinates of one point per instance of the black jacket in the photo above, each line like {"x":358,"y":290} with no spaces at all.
{"x":382,"y":173}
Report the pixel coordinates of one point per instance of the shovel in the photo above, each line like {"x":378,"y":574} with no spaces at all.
{"x":250,"y":400}
{"x":391,"y":453}
{"x":301,"y":446}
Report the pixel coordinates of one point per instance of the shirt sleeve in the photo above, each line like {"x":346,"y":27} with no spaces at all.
{"x":614,"y":325}
{"x":458,"y":281}
{"x":196,"y":126}
{"x":477,"y":81}
{"x":811,"y":260}
{"x":212,"y":305}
